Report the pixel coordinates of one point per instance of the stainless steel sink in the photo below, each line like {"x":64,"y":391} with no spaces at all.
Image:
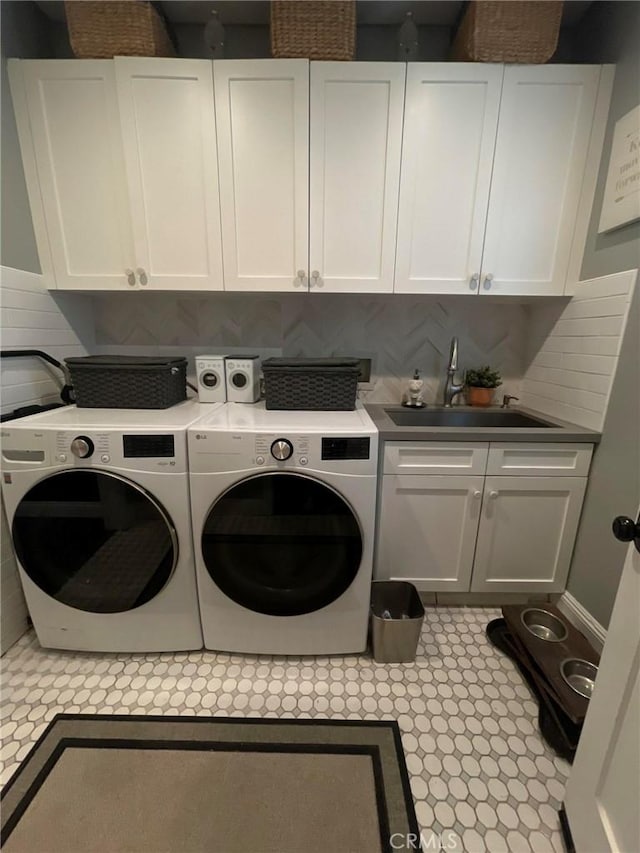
{"x":464,"y":418}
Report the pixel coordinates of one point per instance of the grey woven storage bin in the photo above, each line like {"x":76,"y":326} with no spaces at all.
{"x":128,"y":382}
{"x":327,"y":384}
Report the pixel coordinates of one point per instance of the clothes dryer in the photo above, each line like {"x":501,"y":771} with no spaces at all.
{"x":283,"y":508}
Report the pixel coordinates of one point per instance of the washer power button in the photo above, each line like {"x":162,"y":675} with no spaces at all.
{"x":304,"y":460}
{"x":105,"y":458}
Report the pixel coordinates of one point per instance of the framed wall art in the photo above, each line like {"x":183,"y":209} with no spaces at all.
{"x":621,"y":202}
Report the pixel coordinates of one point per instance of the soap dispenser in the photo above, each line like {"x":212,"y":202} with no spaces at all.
{"x":413,"y":398}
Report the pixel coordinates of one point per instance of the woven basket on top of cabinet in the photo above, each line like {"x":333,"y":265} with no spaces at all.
{"x":508,"y":31}
{"x":313,"y":29}
{"x":102,"y":29}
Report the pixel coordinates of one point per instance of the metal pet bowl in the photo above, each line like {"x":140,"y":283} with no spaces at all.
{"x":580,"y":675}
{"x":544,"y":625}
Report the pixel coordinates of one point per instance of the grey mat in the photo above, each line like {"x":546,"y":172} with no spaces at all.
{"x":151,"y":784}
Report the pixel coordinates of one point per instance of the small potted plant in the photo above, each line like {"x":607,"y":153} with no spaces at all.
{"x":480,"y":385}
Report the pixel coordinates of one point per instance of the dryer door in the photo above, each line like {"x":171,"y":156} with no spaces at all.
{"x":94,"y":541}
{"x":282,"y":544}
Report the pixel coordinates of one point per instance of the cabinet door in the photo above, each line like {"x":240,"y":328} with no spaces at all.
{"x":355,"y":140}
{"x":546,"y":114}
{"x":451,"y":116}
{"x":67,"y":112}
{"x":262,"y":113}
{"x":526,"y":534}
{"x":427,"y":530}
{"x":168,"y":132}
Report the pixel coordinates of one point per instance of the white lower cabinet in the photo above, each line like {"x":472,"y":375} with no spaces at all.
{"x":479,"y":533}
{"x":526,"y":533}
{"x":428,"y":528}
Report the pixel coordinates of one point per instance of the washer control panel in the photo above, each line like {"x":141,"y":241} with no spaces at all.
{"x":278,"y":448}
{"x":69,"y":445}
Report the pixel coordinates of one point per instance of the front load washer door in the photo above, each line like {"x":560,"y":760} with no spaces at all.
{"x":282,"y":544}
{"x":94,"y":541}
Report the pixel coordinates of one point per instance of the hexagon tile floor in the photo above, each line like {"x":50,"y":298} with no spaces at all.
{"x":481,"y":776}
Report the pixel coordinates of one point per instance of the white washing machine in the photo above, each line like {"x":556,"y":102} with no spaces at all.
{"x":283,"y":509}
{"x":98,"y":506}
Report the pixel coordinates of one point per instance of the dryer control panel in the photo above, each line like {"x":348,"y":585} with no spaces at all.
{"x":213,"y":451}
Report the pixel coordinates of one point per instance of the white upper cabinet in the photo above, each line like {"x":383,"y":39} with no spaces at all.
{"x":451,"y":116}
{"x":546,"y":118}
{"x":262,"y":113}
{"x":492,"y":172}
{"x":67,"y":116}
{"x":169,"y":139}
{"x":121,"y":167}
{"x":355,"y":143}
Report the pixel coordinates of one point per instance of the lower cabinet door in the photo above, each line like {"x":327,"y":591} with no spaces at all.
{"x":427,"y":530}
{"x":527,"y":531}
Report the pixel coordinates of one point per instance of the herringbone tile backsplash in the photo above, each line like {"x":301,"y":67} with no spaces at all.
{"x":398,"y":332}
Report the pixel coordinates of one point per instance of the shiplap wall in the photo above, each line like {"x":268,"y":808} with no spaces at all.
{"x":573,"y":351}
{"x":13,"y":610}
{"x":31,"y":318}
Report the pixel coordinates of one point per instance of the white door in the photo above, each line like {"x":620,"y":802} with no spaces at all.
{"x":546,"y":114}
{"x":427,"y":530}
{"x":526,"y":533}
{"x":355,"y":141}
{"x":451,"y":117}
{"x":603,"y":792}
{"x":168,"y":132}
{"x":262,"y":114}
{"x":68,"y":119}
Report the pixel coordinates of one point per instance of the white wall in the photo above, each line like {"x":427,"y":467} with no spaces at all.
{"x":574,"y":350}
{"x":31,"y":318}
{"x":13,"y":610}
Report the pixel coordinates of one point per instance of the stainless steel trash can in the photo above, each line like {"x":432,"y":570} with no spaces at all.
{"x":396,"y":621}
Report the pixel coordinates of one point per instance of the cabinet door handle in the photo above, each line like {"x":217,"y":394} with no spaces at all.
{"x":131,"y":277}
{"x":142,"y":276}
{"x":487,"y":281}
{"x":493,"y":494}
{"x":477,"y":495}
{"x":299,"y":279}
{"x":315,"y":279}
{"x":473,"y":281}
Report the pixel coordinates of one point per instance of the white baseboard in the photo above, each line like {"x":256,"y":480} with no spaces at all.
{"x":581,"y":619}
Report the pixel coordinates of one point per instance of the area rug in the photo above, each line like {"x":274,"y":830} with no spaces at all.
{"x":220,"y":785}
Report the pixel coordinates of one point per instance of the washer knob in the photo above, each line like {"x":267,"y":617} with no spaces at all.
{"x":281,"y":449}
{"x":82,"y":447}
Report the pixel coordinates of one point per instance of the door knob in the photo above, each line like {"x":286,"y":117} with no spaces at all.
{"x":625,"y":529}
{"x":487,"y":281}
{"x":493,"y":495}
{"x":473,"y":281}
{"x":315,"y":279}
{"x":477,"y":494}
{"x":299,"y":280}
{"x":131,"y":277}
{"x":142,"y":276}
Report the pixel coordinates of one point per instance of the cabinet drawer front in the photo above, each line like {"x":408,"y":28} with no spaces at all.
{"x":435,"y":457}
{"x":539,"y":460}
